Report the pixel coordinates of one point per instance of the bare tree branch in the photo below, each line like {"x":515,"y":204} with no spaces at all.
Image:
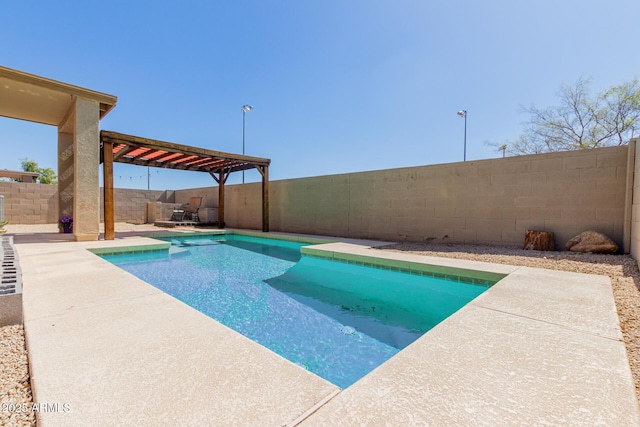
{"x":611,"y":117}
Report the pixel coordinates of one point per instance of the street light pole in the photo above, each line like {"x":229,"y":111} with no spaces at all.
{"x":503,"y":148}
{"x":463,"y":114}
{"x":245,"y":108}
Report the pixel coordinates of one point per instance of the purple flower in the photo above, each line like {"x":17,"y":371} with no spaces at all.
{"x":66,"y":221}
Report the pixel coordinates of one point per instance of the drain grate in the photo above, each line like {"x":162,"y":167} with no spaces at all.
{"x":10,"y":274}
{"x":10,"y":283}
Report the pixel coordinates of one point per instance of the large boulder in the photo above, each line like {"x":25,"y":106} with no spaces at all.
{"x":592,"y":242}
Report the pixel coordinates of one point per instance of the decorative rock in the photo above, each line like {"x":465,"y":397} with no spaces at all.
{"x":593,"y":242}
{"x":538,"y":240}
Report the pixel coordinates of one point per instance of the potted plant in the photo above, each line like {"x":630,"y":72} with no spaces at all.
{"x":66,"y":223}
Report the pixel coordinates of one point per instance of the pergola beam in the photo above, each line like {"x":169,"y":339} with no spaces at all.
{"x":123,"y":152}
{"x":140,"y":142}
{"x":168,"y":157}
{"x":141,"y":155}
{"x":244,"y":167}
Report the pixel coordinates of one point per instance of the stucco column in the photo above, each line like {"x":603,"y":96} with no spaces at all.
{"x":86,"y":186}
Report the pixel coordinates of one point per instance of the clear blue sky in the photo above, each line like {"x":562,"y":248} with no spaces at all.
{"x":338,"y":86}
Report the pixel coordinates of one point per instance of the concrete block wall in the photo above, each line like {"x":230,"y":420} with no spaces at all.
{"x":486,"y":201}
{"x":162,"y":211}
{"x":634,"y":150}
{"x":28,"y":203}
{"x":159,"y":211}
{"x":165,"y":210}
{"x":131,"y":204}
{"x":243,"y":206}
{"x":209,"y":196}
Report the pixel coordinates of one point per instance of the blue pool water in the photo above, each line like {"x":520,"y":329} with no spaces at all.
{"x":335,"y":319}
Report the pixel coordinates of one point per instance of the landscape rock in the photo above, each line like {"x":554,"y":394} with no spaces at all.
{"x":592,"y":242}
{"x":538,"y":241}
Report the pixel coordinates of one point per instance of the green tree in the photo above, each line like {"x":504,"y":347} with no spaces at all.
{"x":29,"y":165}
{"x":580,"y":121}
{"x":47,"y":175}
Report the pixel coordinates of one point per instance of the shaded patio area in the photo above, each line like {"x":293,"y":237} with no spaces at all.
{"x":118,"y":147}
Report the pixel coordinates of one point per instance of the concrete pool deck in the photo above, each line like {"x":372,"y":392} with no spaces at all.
{"x":539,"y":347}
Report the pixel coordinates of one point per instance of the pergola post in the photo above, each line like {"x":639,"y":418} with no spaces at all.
{"x":221,"y":181}
{"x":108,"y":206}
{"x":264,"y":171}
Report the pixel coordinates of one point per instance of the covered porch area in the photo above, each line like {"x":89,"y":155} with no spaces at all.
{"x":76,"y":112}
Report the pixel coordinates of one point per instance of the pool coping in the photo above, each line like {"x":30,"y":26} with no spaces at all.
{"x":518,"y":354}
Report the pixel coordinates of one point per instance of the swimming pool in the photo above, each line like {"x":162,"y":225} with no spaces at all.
{"x":335,"y":319}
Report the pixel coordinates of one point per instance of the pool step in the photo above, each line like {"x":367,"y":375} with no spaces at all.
{"x":10,"y":283}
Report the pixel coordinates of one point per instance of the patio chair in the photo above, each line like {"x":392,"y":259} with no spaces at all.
{"x":188,"y":211}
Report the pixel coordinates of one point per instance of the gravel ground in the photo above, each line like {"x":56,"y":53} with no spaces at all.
{"x":622,"y":269}
{"x":15,"y":389}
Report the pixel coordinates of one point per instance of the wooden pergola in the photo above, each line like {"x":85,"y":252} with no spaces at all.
{"x":118,"y":147}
